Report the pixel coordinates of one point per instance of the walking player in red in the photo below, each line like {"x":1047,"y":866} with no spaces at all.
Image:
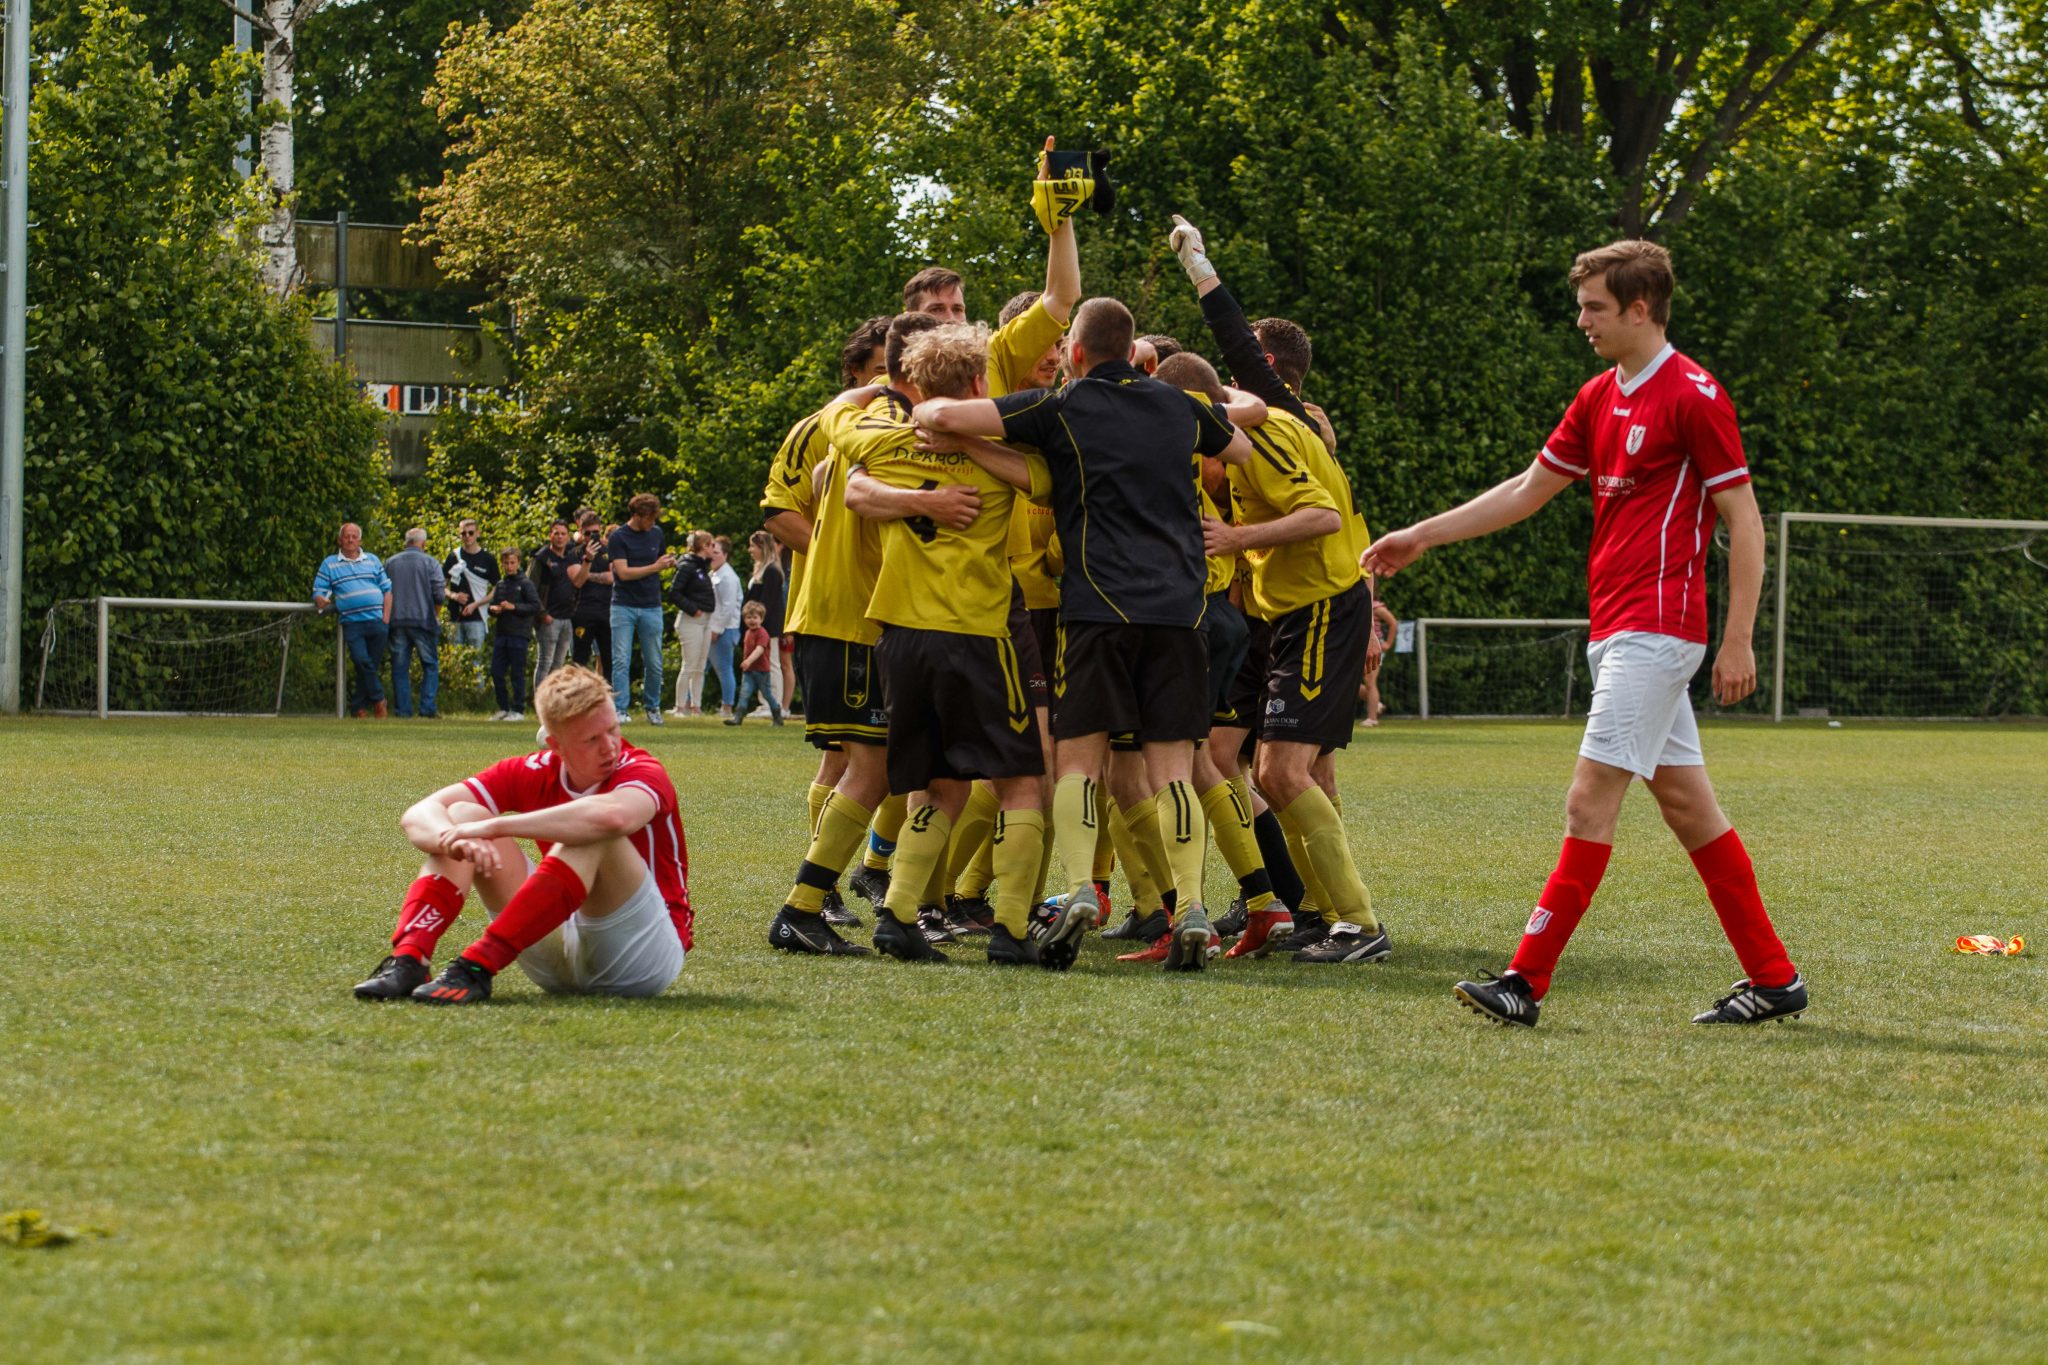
{"x":607,"y":911}
{"x":1656,"y":438}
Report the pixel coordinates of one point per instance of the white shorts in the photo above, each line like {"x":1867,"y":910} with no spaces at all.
{"x":632,"y":951}
{"x":1641,"y":718}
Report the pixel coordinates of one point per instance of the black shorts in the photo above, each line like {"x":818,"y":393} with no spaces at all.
{"x":1229,"y":637}
{"x":1244,"y":700}
{"x":1030,"y":659}
{"x":1318,"y":656}
{"x":957,"y":708}
{"x":1045,"y":628}
{"x":1151,"y":682}
{"x":842,"y":694}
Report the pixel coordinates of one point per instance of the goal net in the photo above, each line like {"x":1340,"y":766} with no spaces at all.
{"x":143,"y":656}
{"x":1491,"y":667}
{"x":1912,"y":617}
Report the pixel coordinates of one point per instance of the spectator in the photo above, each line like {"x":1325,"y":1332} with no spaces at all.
{"x":514,"y":605}
{"x":754,"y":670}
{"x":418,"y":588}
{"x":725,"y":619}
{"x":550,"y":575}
{"x":769,"y":586}
{"x":696,"y":604}
{"x":592,"y":575}
{"x":355,"y":585}
{"x":639,"y":554}
{"x":1384,"y":629}
{"x":472,"y":573}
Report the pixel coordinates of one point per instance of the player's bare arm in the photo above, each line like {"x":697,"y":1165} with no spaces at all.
{"x":1504,"y":504}
{"x":427,"y":822}
{"x":1735,"y":664}
{"x":793,"y":529}
{"x":1062,"y":263}
{"x":1243,"y":409}
{"x":1221,"y":538}
{"x":968,"y":416}
{"x":993,"y":456}
{"x":954,"y":506}
{"x":586,"y":820}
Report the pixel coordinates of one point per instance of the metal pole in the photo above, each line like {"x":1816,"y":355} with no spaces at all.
{"x":340,"y":671}
{"x":101,"y":604}
{"x":1422,"y":668}
{"x":341,"y":285}
{"x":1778,"y":627}
{"x":13,"y":348}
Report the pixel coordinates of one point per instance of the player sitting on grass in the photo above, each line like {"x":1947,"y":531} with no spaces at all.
{"x":607,"y":911}
{"x":1656,"y":437}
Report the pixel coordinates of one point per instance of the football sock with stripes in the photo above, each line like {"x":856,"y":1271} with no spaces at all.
{"x":968,"y":867}
{"x":920,"y":853}
{"x":1073,"y":827}
{"x":1019,"y":853}
{"x":1230,"y":822}
{"x":1724,"y":866}
{"x":1580,"y":865}
{"x":842,"y":824}
{"x":542,"y":905}
{"x":1329,"y":853}
{"x":431,"y":904}
{"x":1276,"y":854}
{"x":1144,"y":890}
{"x":1184,"y":839}
{"x":1147,"y":837}
{"x":882,"y":832}
{"x":814,"y":804}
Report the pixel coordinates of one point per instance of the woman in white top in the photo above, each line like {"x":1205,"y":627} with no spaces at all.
{"x":725,"y":620}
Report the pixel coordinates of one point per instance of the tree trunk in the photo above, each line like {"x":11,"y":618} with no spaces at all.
{"x":281,"y":257}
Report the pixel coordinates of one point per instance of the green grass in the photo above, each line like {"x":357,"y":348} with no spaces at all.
{"x":798,"y":1159}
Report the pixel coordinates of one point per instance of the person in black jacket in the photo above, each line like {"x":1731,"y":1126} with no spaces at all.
{"x":514,"y":603}
{"x":695,"y":600}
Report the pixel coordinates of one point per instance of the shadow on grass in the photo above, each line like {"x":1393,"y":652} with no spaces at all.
{"x":1419,"y":969}
{"x":679,"y":1002}
{"x":1804,"y":1033}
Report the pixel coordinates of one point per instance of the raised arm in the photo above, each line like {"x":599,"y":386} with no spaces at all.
{"x":1242,"y":354}
{"x":1504,"y":504}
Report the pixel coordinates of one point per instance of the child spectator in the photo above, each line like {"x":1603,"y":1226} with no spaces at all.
{"x":514,"y":603}
{"x":754,"y":671}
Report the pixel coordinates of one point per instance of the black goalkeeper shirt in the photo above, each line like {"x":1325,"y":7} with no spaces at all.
{"x":1123,"y":448}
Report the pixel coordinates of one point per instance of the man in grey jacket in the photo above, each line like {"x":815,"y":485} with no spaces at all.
{"x":418,"y":588}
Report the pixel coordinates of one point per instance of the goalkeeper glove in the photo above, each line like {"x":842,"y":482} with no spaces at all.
{"x":1187,"y":244}
{"x":1054,"y":201}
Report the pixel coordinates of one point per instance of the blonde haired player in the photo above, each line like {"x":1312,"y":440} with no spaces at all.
{"x":606,"y":911}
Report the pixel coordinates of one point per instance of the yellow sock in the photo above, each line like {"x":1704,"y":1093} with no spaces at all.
{"x":1019,"y":850}
{"x":1144,"y":891}
{"x":1315,"y":901}
{"x":842,"y":824}
{"x":970,"y":835}
{"x":1143,"y":820}
{"x":1183,"y":838}
{"x":1329,"y":851}
{"x":1073,"y":826}
{"x":920,"y":850}
{"x":1105,"y":846}
{"x":814,"y":805}
{"x":935,"y":885}
{"x":887,"y":824}
{"x":1230,"y":823}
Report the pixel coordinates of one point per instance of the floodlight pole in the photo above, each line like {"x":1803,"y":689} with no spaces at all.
{"x":13,"y":344}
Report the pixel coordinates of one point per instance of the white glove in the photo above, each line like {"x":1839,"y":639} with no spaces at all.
{"x":1187,"y":244}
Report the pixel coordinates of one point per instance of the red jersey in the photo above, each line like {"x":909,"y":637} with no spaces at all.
{"x":530,"y":782}
{"x":1655,"y":448}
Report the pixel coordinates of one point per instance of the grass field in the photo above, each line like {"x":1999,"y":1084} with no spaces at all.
{"x":859,"y":1160}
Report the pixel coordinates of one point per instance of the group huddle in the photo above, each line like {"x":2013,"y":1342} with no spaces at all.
{"x":1061,"y":597}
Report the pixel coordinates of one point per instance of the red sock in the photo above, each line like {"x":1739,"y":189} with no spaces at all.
{"x":1563,"y":903}
{"x":539,"y":907}
{"x":431,"y":905}
{"x":1731,"y":885}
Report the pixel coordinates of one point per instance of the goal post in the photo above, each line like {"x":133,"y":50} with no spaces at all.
{"x":1501,"y":666}
{"x":174,"y":656}
{"x":1909,"y":617}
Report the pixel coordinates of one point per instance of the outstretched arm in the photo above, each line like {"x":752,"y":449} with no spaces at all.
{"x":999,"y":460}
{"x":1303,"y":523}
{"x":954,"y":506}
{"x":1504,"y":504}
{"x":971,"y":416}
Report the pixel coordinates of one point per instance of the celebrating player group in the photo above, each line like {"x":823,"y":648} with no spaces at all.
{"x":1062,"y":598}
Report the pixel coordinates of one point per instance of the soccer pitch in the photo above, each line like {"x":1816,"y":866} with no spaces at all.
{"x":863,"y":1160}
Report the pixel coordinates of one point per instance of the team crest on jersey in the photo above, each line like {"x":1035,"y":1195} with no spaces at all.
{"x":1636,"y":433}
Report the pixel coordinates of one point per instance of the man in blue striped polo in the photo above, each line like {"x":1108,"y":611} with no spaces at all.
{"x":355,"y":585}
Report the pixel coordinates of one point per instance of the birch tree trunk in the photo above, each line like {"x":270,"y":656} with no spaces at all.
{"x":281,"y":257}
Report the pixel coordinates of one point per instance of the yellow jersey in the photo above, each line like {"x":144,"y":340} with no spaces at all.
{"x":846,"y":550}
{"x":1013,"y":351}
{"x":934,"y":577}
{"x":1290,"y":469}
{"x":791,"y":488}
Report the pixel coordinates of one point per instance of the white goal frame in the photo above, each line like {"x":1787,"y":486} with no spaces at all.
{"x":103,"y":605}
{"x":1423,"y":623}
{"x":1786,"y":520}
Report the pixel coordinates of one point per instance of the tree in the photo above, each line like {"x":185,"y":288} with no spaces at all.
{"x":183,"y":436}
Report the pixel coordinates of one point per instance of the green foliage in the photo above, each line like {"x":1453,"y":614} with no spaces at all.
{"x":183,"y":437}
